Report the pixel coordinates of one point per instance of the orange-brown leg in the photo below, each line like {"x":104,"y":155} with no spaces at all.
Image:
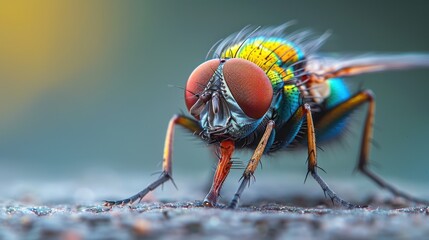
{"x":312,"y":161}
{"x":222,"y":170}
{"x":339,"y":112}
{"x":167,"y":170}
{"x":253,"y":164}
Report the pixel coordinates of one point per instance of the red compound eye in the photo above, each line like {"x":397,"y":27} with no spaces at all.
{"x":198,"y":80}
{"x":249,"y":85}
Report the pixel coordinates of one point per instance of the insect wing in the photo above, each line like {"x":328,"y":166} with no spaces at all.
{"x":321,"y":68}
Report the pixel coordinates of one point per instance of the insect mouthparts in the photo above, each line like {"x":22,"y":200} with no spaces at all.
{"x":215,"y":102}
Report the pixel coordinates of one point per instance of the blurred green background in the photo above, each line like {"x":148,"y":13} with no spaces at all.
{"x":84,"y":85}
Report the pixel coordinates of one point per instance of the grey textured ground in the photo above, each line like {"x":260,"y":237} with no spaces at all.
{"x":177,"y":220}
{"x":73,"y":210}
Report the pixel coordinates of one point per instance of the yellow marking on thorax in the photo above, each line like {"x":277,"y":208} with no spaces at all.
{"x":268,"y":55}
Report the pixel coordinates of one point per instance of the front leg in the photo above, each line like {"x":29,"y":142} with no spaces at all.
{"x":253,"y":164}
{"x":224,"y":165}
{"x":167,"y":170}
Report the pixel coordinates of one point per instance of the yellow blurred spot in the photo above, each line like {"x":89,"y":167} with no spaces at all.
{"x":45,"y":43}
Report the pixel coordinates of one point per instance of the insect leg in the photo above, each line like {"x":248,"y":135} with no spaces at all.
{"x":252,"y":164}
{"x":339,"y":112}
{"x":222,"y":170}
{"x":167,"y":172}
{"x":312,"y":161}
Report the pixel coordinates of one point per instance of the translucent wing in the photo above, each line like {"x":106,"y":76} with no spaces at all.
{"x":321,"y":68}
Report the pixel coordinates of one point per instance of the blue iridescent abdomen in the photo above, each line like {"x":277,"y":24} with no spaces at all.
{"x":338,"y":93}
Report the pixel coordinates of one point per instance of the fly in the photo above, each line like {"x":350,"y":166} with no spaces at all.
{"x":265,"y":90}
